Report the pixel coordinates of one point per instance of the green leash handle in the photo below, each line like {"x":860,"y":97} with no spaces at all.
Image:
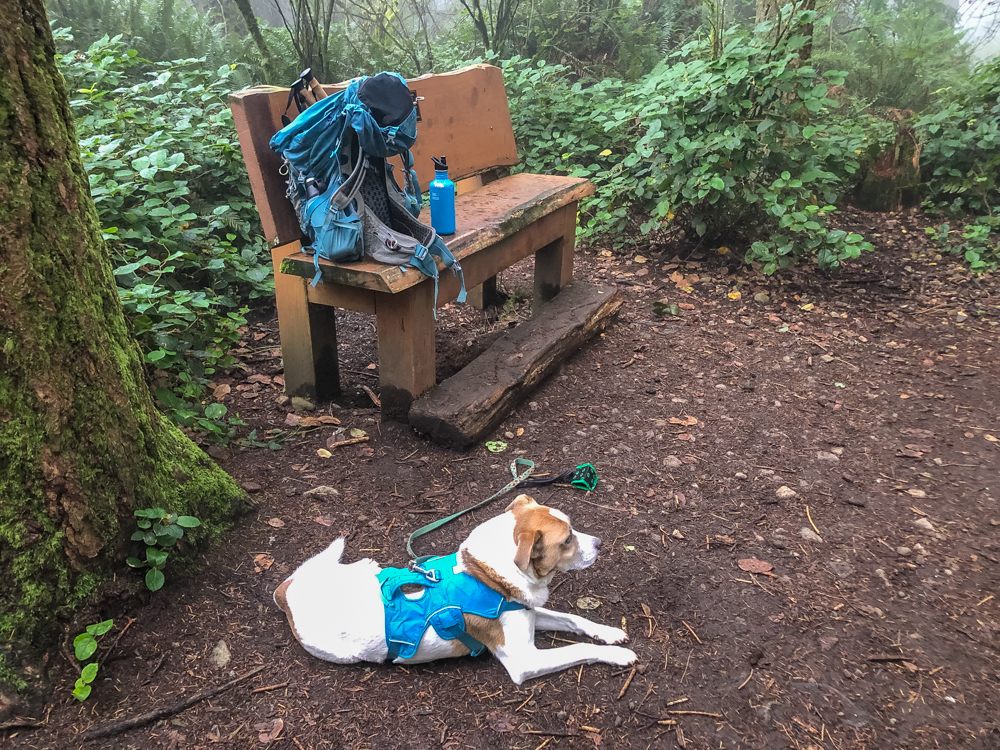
{"x":529,"y":466}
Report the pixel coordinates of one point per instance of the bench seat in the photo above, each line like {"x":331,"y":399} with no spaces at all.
{"x":484,"y":217}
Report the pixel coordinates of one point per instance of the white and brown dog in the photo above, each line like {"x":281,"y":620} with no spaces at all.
{"x":337,"y":612}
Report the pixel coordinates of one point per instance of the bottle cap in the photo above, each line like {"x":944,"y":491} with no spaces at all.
{"x":440,"y":163}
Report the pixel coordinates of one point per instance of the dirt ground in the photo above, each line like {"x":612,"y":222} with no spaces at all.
{"x":842,"y":430}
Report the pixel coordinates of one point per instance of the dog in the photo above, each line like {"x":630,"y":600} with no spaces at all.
{"x":341,"y":613}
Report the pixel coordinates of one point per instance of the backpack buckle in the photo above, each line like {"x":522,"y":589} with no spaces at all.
{"x":391,"y":243}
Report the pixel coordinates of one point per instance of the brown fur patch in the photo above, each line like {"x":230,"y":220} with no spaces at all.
{"x":280,"y":598}
{"x":487,"y":631}
{"x":485,"y":574}
{"x":533,"y":524}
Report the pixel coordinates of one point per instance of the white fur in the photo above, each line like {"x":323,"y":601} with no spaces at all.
{"x":338,"y":614}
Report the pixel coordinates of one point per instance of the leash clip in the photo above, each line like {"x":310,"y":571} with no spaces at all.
{"x":430,"y":575}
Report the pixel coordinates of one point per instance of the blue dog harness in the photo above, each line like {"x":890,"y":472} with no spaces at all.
{"x":448,"y":594}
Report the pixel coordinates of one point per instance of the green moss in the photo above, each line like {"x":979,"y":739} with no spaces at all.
{"x":10,"y":676}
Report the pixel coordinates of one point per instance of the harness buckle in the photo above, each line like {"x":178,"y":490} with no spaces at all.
{"x":430,"y":575}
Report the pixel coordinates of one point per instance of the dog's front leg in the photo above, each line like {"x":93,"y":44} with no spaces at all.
{"x":527,"y":663}
{"x":563,"y":622}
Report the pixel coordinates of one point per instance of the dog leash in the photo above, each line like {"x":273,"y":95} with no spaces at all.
{"x":529,"y":467}
{"x":583,"y":477}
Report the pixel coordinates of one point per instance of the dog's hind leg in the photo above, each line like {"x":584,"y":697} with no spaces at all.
{"x":563,"y":622}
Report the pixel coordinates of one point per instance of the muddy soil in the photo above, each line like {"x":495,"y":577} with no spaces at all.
{"x":841,"y":432}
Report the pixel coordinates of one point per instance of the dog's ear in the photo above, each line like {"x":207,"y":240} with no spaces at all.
{"x":521,"y":501}
{"x":526,"y":542}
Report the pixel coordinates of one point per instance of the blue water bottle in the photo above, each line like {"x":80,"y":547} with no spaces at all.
{"x":442,"y":192}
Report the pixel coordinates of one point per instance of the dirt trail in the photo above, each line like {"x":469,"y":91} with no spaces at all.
{"x":844,"y":431}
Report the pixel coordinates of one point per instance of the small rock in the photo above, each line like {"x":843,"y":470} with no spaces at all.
{"x":904,"y":551}
{"x":282,"y":399}
{"x":837,"y":451}
{"x":924,"y":524}
{"x":676,"y":534}
{"x":784,"y":492}
{"x":533,"y":405}
{"x":251,"y":487}
{"x":221,"y":655}
{"x":291,"y":492}
{"x":841,"y":569}
{"x":859,"y":502}
{"x":323,"y":490}
{"x":302,"y":404}
{"x":740,"y":475}
{"x":672,"y":462}
{"x":961,"y":317}
{"x":884,"y":578}
{"x":827,"y":358}
{"x":809,"y":535}
{"x":761,"y":297}
{"x":218,"y":453}
{"x":827,"y":456}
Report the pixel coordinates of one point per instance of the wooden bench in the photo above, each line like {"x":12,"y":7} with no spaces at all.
{"x":500,"y":220}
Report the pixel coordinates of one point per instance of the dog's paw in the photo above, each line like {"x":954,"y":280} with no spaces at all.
{"x":623,"y":657}
{"x":606,"y":634}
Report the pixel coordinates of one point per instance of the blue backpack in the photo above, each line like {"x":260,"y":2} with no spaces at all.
{"x":342,"y":186}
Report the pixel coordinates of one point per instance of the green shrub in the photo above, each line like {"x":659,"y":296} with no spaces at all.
{"x":744,"y":142}
{"x":173,"y":197}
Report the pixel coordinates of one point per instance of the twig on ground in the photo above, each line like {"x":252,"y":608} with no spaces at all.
{"x":117,"y":727}
{"x":628,"y":681}
{"x":349,"y":441}
{"x":695,"y":713}
{"x":692,"y":631}
{"x":809,"y":516}
{"x":372,"y":396}
{"x":268,"y":688}
{"x":114,"y":645}
{"x":743,"y":684}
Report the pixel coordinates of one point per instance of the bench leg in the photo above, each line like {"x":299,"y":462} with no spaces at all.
{"x":554,"y":262}
{"x":406,"y":362}
{"x":308,"y":338}
{"x":485,"y":295}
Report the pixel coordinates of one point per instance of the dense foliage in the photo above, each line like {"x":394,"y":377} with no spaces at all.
{"x":173,"y":197}
{"x":961,"y":163}
{"x":746,"y":142}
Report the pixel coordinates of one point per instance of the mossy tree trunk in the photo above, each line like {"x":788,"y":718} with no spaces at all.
{"x":81,"y":444}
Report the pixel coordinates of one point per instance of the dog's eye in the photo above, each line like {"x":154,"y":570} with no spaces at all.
{"x":568,"y":541}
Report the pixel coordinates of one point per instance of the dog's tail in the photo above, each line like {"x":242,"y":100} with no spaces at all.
{"x":335,"y":551}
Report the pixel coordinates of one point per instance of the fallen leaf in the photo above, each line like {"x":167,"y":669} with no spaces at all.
{"x":309,"y":422}
{"x":372,"y":366}
{"x":640,"y":259}
{"x":587,"y":602}
{"x":276,"y":523}
{"x":916,"y":493}
{"x":327,"y":419}
{"x":263,"y":561}
{"x":677,"y":277}
{"x":356,"y":433}
{"x":917,"y":433}
{"x":323,"y":453}
{"x":645,"y":610}
{"x":722,"y":250}
{"x":262,"y":379}
{"x":725,"y":539}
{"x":323,"y":521}
{"x":685,"y":306}
{"x":687,"y":420}
{"x":269,"y":730}
{"x":992,"y":439}
{"x":685,"y":436}
{"x":753,"y":565}
{"x":292,"y":420}
{"x":736,"y":294}
{"x":520,"y":431}
{"x":221,"y":391}
{"x":807,"y":308}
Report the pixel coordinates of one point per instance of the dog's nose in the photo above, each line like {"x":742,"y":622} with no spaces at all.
{"x":597,"y":542}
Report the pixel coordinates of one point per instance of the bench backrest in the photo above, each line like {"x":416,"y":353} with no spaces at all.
{"x":463,"y":115}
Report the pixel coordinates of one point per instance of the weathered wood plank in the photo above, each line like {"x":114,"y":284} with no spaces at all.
{"x":464,"y":115}
{"x":308,"y":335}
{"x":554,"y":262}
{"x":406,"y":361}
{"x":484,"y":217}
{"x":468,"y":405}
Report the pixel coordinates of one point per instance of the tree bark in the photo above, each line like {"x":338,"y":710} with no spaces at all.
{"x":254,"y":29}
{"x":81,"y":444}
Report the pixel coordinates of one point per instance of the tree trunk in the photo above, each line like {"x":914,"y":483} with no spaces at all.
{"x":81,"y":444}
{"x":254,"y":28}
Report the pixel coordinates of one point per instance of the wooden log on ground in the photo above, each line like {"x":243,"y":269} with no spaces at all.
{"x":468,"y":405}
